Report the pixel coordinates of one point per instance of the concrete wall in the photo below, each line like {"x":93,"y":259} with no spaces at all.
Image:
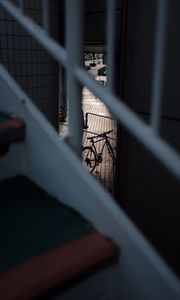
{"x":147,"y":191}
{"x":33,"y":69}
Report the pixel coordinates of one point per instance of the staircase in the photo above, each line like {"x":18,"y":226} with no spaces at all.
{"x":42,"y":237}
{"x":73,"y":225}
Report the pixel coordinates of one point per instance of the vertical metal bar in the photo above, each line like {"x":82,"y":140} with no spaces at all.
{"x":74,"y":92}
{"x":45,"y":12}
{"x":159,"y":62}
{"x":110,"y":42}
{"x":21,"y":5}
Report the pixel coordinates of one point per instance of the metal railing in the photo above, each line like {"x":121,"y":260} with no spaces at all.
{"x":77,"y":77}
{"x":153,"y":277}
{"x":93,"y":114}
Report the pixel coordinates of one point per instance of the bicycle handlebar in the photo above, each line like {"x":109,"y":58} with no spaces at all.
{"x":100,"y":135}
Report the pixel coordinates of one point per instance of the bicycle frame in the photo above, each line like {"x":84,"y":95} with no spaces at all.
{"x":108,"y":145}
{"x":92,"y":157}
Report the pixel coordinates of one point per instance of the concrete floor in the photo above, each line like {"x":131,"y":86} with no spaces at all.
{"x":99,"y":120}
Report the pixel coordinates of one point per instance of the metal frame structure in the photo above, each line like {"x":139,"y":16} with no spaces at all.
{"x":138,"y":255}
{"x":70,"y":58}
{"x":93,"y":114}
{"x":77,"y":77}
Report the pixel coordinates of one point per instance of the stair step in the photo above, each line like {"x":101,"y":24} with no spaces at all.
{"x":12,"y":129}
{"x":44,"y":243}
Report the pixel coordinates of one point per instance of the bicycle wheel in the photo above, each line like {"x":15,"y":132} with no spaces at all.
{"x":89,"y":158}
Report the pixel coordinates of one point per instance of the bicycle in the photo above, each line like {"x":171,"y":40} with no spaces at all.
{"x":91,"y":158}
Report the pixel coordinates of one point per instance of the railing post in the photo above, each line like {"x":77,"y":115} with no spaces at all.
{"x":45,"y":14}
{"x":110,"y":43}
{"x":159,"y":62}
{"x":86,"y":120}
{"x":74,"y":54}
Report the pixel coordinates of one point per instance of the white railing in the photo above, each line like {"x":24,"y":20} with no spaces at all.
{"x":139,"y":262}
{"x":70,"y":58}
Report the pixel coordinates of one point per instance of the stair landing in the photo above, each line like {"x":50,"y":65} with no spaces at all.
{"x":43,"y":243}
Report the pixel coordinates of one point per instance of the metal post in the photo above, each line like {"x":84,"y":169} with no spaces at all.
{"x":159,"y":62}
{"x":45,"y":11}
{"x":74,"y":54}
{"x":110,"y":43}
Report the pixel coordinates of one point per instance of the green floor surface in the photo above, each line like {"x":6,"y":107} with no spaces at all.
{"x":32,"y":222}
